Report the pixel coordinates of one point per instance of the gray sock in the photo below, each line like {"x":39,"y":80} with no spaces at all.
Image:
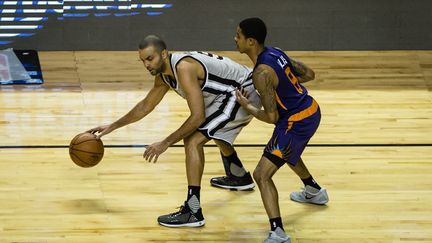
{"x":194,"y":204}
{"x":236,"y":170}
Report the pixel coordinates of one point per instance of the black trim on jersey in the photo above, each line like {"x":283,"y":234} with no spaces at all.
{"x":167,"y":79}
{"x":202,"y":64}
{"x":231,"y":118}
{"x":218,"y":112}
{"x":249,"y":76}
{"x":205,"y":133}
{"x":211,"y":90}
{"x":223,"y":80}
{"x":172,"y":70}
{"x":171,"y":82}
{"x":247,"y":84}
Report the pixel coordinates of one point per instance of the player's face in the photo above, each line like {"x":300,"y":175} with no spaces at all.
{"x":153,"y":59}
{"x":240,"y":40}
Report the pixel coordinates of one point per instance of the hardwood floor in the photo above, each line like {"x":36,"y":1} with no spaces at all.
{"x":374,"y":105}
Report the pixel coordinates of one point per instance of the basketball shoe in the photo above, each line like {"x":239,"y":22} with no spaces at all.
{"x":233,"y":182}
{"x":310,"y":195}
{"x":277,"y":236}
{"x":183,"y":218}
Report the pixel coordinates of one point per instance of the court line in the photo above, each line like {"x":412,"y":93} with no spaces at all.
{"x":214,"y":145}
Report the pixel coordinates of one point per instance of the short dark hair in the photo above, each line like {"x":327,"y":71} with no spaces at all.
{"x":254,"y":28}
{"x":152,"y":40}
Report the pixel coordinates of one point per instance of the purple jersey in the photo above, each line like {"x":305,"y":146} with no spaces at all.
{"x":299,"y":113}
{"x":291,"y":96}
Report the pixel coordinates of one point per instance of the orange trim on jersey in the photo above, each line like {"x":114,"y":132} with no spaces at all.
{"x":280,"y":102}
{"x":293,"y":79}
{"x":277,"y":152}
{"x":303,"y":114}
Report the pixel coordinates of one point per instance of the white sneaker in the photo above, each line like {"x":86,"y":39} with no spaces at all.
{"x":277,"y":236}
{"x":310,"y":195}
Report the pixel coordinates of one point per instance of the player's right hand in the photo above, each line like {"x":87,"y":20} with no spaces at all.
{"x":101,"y":130}
{"x":242,"y":97}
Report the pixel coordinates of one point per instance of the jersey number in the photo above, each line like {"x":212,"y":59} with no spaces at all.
{"x":293,"y":80}
{"x":210,"y":55}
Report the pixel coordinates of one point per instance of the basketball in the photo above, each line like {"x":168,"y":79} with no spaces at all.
{"x":86,"y":150}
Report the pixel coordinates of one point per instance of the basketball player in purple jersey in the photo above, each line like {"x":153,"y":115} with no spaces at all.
{"x":296,"y":116}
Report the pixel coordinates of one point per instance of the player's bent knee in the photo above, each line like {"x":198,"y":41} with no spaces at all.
{"x":194,"y":141}
{"x":260,"y":175}
{"x":257,"y":175}
{"x":226,"y":148}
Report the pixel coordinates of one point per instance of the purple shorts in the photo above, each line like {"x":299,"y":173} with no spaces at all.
{"x":289,"y":139}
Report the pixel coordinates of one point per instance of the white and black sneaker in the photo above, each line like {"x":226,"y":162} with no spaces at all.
{"x":311,"y":195}
{"x":278,"y":236}
{"x":232,"y":182}
{"x":183,"y":218}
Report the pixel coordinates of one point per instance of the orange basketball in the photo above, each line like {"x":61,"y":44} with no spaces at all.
{"x":86,"y":150}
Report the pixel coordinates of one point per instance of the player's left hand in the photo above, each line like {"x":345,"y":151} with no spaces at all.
{"x":242,"y":97}
{"x":154,"y":150}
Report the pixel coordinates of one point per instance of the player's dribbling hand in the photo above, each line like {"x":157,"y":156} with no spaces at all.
{"x":241,"y":96}
{"x":154,"y":150}
{"x":101,"y":130}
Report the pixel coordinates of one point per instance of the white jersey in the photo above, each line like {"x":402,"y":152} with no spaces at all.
{"x":221,"y":74}
{"x":224,"y":116}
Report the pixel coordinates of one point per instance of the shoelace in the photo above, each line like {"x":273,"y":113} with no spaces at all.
{"x":179,"y":211}
{"x":308,"y":195}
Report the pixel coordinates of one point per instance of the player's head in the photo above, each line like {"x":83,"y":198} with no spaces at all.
{"x":153,"y":53}
{"x":250,"y":32}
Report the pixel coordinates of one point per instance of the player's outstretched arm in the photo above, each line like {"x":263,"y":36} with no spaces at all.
{"x":188,"y":78}
{"x":304,"y":73}
{"x":143,"y":108}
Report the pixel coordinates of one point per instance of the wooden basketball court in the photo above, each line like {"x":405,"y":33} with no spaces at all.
{"x":373,"y":153}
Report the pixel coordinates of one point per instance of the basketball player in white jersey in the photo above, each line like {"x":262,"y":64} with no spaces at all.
{"x":208,"y":83}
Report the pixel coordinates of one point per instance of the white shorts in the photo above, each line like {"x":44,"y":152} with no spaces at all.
{"x":225,"y":117}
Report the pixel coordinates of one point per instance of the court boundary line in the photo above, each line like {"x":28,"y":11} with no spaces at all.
{"x":214,"y":145}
